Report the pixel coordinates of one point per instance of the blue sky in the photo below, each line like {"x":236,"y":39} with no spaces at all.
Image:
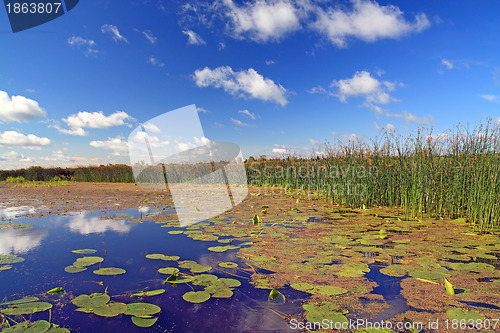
{"x":269,"y":75}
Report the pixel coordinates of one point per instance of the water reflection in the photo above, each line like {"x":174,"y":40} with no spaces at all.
{"x":13,"y":212}
{"x":20,"y":241}
{"x":94,"y":225}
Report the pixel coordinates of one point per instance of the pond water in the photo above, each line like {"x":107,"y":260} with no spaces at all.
{"x":46,"y":244}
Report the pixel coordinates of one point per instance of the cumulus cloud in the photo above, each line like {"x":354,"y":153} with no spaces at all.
{"x":411,"y":118}
{"x":87,"y":44}
{"x":18,"y":108}
{"x":117,"y":145}
{"x":313,"y":142}
{"x":13,"y":138}
{"x":243,"y":83}
{"x":262,"y":20}
{"x":366,"y":20}
{"x":362,"y":84}
{"x":193,"y":38}
{"x":77,"y":122}
{"x":247,"y":113}
{"x":202,"y":110}
{"x":389,"y":127}
{"x":345,"y":137}
{"x":280,"y":149}
{"x":114,"y":32}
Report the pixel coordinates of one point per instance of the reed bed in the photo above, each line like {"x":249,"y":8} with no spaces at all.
{"x":454,"y":174}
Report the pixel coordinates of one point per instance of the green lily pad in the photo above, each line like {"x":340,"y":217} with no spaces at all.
{"x":274,"y":293}
{"x":230,"y":283}
{"x":111,"y":309}
{"x":26,"y":308}
{"x":4,"y":268}
{"x":394,"y":270}
{"x":10,"y":259}
{"x":223,"y":293}
{"x":176,"y":232}
{"x":58,"y":330}
{"x":162,"y":257}
{"x":302,"y":286}
{"x":144,"y":322}
{"x":93,"y":301}
{"x":328,"y":290}
{"x":142,"y":309}
{"x":22,"y":300}
{"x":110,"y":271}
{"x":168,"y":270}
{"x":204,"y":279}
{"x":222,"y":248}
{"x":461,"y":314}
{"x":149,"y":293}
{"x":87,"y":261}
{"x":72,"y":269}
{"x":200,"y":268}
{"x":196,"y":296}
{"x":39,"y":326}
{"x":228,"y":264}
{"x":84,"y":251}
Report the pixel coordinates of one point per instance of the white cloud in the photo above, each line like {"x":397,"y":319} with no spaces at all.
{"x":18,"y":108}
{"x":249,"y":83}
{"x":11,"y":155}
{"x":13,"y":138}
{"x":367,"y":21}
{"x":114,"y":32}
{"x":314,"y":142}
{"x":193,"y":38}
{"x":363,"y":84}
{"x":20,"y":241}
{"x":200,"y":109}
{"x":262,"y":20}
{"x":238,"y":122}
{"x":345,"y":137}
{"x":270,"y":62}
{"x":448,"y":64}
{"x":94,"y":225}
{"x":491,"y":98}
{"x":280,"y":149}
{"x":388,"y":127}
{"x":77,"y":122}
{"x":149,"y":36}
{"x":411,"y":118}
{"x":155,"y":62}
{"x":222,"y":46}
{"x":117,"y":145}
{"x":248,"y":113}
{"x":87,"y":44}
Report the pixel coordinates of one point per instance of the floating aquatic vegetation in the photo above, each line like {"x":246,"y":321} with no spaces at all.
{"x":144,"y":322}
{"x":204,"y":279}
{"x":464,"y":315}
{"x":196,"y":296}
{"x":39,"y":326}
{"x":87,"y":261}
{"x":5,"y":267}
{"x":228,"y":264}
{"x":222,"y":248}
{"x":55,"y":291}
{"x":142,"y":309}
{"x":110,"y":271}
{"x":26,"y":308}
{"x":91,"y":301}
{"x":10,"y":259}
{"x":168,"y":270}
{"x":162,"y":257}
{"x":22,"y":300}
{"x":84,"y":251}
{"x":148,"y":293}
{"x":231,"y":283}
{"x":72,"y":269}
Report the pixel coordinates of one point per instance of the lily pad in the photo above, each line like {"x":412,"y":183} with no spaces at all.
{"x":26,"y":308}
{"x":55,"y":291}
{"x":111,"y":309}
{"x":204,"y":279}
{"x":110,"y":271}
{"x":302,"y":286}
{"x":231,"y":283}
{"x":142,"y":309}
{"x":84,"y":251}
{"x":162,"y":257}
{"x":328,"y":290}
{"x":4,"y":268}
{"x":176,"y":232}
{"x":223,"y":293}
{"x":144,"y":322}
{"x":461,"y":314}
{"x":87,"y":261}
{"x":228,"y":264}
{"x":196,"y":296}
{"x":168,"y":270}
{"x":39,"y":326}
{"x":10,"y":259}
{"x":149,"y":293}
{"x":22,"y":300}
{"x":93,"y":301}
{"x":72,"y":269}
